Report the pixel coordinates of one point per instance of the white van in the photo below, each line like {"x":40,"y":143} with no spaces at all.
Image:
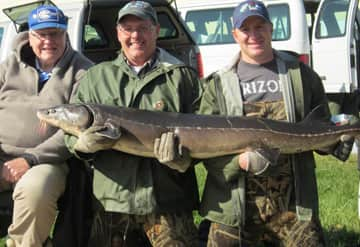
{"x":92,"y":31}
{"x":210,"y":23}
{"x":336,"y":45}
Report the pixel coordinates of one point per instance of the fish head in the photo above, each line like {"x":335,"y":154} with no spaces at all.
{"x":72,"y":118}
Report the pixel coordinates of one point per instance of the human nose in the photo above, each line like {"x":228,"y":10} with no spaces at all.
{"x":253,"y":33}
{"x":135,"y":33}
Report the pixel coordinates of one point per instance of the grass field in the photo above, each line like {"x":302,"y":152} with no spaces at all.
{"x":338,"y":190}
{"x":338,"y":193}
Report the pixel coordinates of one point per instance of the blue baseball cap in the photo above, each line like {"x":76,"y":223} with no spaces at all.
{"x":47,"y":16}
{"x":249,"y":8}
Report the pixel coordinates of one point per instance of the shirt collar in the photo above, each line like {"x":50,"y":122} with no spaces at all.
{"x":147,"y":66}
{"x":43,"y":75}
{"x":38,"y":68}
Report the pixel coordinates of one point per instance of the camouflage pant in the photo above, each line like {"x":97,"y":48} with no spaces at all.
{"x":120,"y":230}
{"x":285,"y":230}
{"x":269,"y":218}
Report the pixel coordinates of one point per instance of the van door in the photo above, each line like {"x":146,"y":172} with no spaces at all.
{"x":335,"y":43}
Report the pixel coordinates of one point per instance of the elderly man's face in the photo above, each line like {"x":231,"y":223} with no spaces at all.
{"x":48,"y":45}
{"x":137,"y":38}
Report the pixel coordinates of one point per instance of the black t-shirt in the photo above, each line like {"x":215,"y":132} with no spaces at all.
{"x":259,"y":82}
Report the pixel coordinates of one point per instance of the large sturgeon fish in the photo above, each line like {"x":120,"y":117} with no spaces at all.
{"x":205,"y":136}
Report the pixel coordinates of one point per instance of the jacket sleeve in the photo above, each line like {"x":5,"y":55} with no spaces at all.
{"x":53,"y":151}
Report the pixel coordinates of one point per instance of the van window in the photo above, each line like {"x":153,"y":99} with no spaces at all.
{"x":94,"y":37}
{"x":332,"y":21}
{"x":280,"y":18}
{"x":167,"y":27}
{"x":213,"y":26}
{"x":1,"y":34}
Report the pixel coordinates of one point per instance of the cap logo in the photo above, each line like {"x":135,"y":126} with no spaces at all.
{"x":46,"y":15}
{"x":141,"y":9}
{"x":136,"y":4}
{"x":250,"y":6}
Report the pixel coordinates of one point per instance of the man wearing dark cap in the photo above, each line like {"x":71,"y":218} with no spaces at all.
{"x":42,"y":72}
{"x":261,"y":195}
{"x":137,"y":192}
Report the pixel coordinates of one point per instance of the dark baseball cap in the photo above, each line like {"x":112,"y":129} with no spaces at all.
{"x":47,"y":16}
{"x":141,"y":9}
{"x":249,"y":8}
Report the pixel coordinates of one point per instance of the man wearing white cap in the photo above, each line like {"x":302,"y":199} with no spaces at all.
{"x":42,"y":71}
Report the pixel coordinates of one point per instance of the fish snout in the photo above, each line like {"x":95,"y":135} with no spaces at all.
{"x":44,"y":113}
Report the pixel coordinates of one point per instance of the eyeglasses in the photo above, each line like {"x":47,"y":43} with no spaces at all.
{"x":140,"y":30}
{"x":47,"y":35}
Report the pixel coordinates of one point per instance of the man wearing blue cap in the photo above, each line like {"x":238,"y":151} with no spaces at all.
{"x":42,"y":71}
{"x":261,"y":195}
{"x":136,"y":193}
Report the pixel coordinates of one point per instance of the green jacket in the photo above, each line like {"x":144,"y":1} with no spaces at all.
{"x":224,"y":195}
{"x":133,"y":184}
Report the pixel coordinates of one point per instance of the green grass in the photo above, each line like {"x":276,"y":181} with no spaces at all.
{"x":338,"y":192}
{"x":338,"y":184}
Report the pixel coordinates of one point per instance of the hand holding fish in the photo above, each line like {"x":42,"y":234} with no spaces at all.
{"x":343,"y":149}
{"x":91,"y":140}
{"x":169,"y":152}
{"x":258,"y":161}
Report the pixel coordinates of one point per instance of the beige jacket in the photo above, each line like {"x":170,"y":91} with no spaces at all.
{"x":20,"y":130}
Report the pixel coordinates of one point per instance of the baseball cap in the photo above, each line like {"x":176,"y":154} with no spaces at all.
{"x":47,"y":16}
{"x":249,"y":8}
{"x":141,"y":9}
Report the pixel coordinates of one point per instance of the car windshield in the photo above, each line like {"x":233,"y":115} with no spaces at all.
{"x":213,"y":26}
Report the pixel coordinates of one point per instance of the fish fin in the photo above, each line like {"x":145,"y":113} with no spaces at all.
{"x":319,"y":114}
{"x":110,"y":131}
